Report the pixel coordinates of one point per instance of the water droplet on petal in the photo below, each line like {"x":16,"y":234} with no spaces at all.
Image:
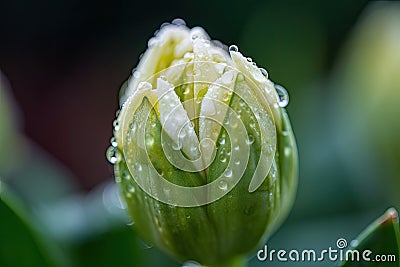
{"x":131,"y":188}
{"x":233,"y":48}
{"x":191,"y":264}
{"x":113,"y":155}
{"x":179,"y":22}
{"x":287,"y":151}
{"x":116,"y":125}
{"x":126,"y":175}
{"x":221,"y":141}
{"x":113,"y":141}
{"x":264,"y":72}
{"x":223,"y":185}
{"x":187,"y":90}
{"x":228,"y":173}
{"x":176,"y":146}
{"x":249,"y":59}
{"x":136,"y":74}
{"x":138,"y":167}
{"x":149,"y":140}
{"x":283,"y":96}
{"x":250,"y":139}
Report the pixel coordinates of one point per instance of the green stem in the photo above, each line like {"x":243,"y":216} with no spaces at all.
{"x":236,"y":262}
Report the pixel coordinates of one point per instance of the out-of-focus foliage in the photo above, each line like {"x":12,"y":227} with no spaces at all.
{"x":21,"y":242}
{"x":7,"y":128}
{"x":382,"y":238}
{"x":367,"y":89}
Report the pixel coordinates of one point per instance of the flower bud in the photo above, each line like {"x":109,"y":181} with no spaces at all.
{"x":203,"y":150}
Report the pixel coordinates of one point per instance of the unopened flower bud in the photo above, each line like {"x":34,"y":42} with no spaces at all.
{"x":204,"y":152}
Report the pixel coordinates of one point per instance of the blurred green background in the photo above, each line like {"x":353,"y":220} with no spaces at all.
{"x":62,"y":65}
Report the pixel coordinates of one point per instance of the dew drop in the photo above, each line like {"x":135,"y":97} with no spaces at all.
{"x":225,"y":98}
{"x":126,"y":175}
{"x":136,"y":74}
{"x":249,"y":59}
{"x":228,"y":173}
{"x":179,"y":22}
{"x":250,"y":139}
{"x":151,"y":42}
{"x":113,"y":141}
{"x":223,"y":159}
{"x":131,"y":188}
{"x":234,"y":124}
{"x":240,"y":77}
{"x":138,"y":167}
{"x":116,"y":125}
{"x":285,"y":133}
{"x":264,"y":72}
{"x":176,"y":146}
{"x":150,"y":140}
{"x":223,"y":185}
{"x":113,"y":155}
{"x":283,"y":96}
{"x":164,"y":24}
{"x":221,"y":141}
{"x":233,"y":48}
{"x":236,"y":148}
{"x":287,"y":151}
{"x":191,"y":264}
{"x":187,"y":90}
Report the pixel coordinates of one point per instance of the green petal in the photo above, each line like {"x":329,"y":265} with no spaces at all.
{"x":184,"y":232}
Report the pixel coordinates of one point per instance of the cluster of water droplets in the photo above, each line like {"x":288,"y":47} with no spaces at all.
{"x":113,"y":155}
{"x":283,"y":96}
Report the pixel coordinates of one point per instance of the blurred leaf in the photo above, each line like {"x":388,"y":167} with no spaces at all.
{"x":118,"y":246}
{"x":20,"y":242}
{"x":366,"y":83}
{"x":7,"y":128}
{"x":382,"y":237}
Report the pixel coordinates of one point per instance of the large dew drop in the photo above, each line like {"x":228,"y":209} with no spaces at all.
{"x":233,"y":48}
{"x":113,"y":155}
{"x":283,"y":95}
